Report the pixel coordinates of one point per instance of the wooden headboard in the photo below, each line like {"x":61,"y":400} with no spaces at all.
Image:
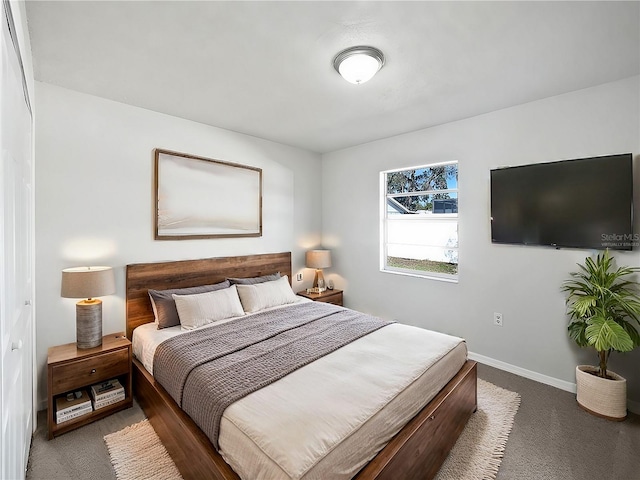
{"x":190,"y":273}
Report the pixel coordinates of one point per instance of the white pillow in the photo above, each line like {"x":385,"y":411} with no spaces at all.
{"x":203,"y":308}
{"x":264,"y":295}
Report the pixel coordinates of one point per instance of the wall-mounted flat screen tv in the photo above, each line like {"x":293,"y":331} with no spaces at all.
{"x":583,"y":203}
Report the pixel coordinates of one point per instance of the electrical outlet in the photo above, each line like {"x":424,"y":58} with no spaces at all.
{"x":299,"y":277}
{"x":497,"y":319}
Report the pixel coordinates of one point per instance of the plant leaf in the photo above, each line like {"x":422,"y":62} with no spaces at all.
{"x":605,"y":334}
{"x":631,"y":330}
{"x":577,"y":332}
{"x":583,"y":304}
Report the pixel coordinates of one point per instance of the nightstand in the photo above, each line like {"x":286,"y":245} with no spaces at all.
{"x":70,"y":369}
{"x":328,"y":296}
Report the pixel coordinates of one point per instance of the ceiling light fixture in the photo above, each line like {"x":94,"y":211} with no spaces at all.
{"x":358,"y":64}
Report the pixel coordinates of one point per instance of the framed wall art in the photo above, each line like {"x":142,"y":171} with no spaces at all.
{"x":198,"y":197}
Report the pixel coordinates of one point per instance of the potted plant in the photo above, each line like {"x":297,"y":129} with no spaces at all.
{"x":604,"y":308}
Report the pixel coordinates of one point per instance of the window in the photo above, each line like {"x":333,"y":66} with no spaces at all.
{"x":419,"y":231}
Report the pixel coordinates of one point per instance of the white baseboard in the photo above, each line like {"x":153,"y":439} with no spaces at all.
{"x":632,"y":406}
{"x":523,"y":372}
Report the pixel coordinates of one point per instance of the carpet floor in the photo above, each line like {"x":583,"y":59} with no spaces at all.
{"x":551,"y":439}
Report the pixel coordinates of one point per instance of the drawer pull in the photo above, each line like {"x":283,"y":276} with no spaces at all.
{"x":93,"y":370}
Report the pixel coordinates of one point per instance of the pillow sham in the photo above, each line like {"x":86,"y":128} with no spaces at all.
{"x":203,"y":308}
{"x":266,"y":294}
{"x":254,"y":280}
{"x":164,"y":307}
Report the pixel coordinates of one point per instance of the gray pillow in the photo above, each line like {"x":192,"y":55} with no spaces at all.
{"x":164,"y":306}
{"x":254,"y":280}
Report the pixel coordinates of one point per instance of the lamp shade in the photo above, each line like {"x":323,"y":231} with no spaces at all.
{"x":87,"y":282}
{"x":318,"y":259}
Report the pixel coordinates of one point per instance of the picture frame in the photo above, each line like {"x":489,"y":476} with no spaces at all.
{"x":198,"y":197}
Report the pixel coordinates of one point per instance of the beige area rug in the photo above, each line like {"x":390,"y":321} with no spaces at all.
{"x":479,"y":450}
{"x":137,"y":454}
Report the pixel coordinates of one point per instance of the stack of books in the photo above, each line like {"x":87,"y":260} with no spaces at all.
{"x":107,"y":393}
{"x":73,"y":405}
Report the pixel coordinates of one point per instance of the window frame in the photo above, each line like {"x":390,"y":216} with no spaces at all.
{"x":384,"y":196}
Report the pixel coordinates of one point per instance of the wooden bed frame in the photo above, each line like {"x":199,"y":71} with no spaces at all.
{"x":417,"y":451}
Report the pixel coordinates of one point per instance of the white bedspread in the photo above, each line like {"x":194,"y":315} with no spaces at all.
{"x":353,"y":401}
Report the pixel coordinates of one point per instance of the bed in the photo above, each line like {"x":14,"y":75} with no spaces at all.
{"x":416,"y":451}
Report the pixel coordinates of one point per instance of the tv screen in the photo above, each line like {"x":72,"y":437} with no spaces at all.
{"x":582,"y":203}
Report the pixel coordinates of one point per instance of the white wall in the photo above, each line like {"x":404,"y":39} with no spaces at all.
{"x":94,"y":199}
{"x":523,"y":283}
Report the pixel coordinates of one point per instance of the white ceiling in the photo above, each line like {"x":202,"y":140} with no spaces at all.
{"x":265,"y":68}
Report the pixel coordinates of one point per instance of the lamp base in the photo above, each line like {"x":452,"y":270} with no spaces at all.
{"x":318,"y":280}
{"x":89,"y":323}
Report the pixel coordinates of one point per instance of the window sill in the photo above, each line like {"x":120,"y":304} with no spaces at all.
{"x":447,"y":279}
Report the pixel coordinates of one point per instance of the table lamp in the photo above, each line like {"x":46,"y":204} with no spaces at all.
{"x":318,"y":259}
{"x":88,"y":283}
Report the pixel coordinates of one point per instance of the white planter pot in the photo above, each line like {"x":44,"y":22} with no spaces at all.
{"x":606,"y":398}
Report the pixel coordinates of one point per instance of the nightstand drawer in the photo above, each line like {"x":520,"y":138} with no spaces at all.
{"x":328,"y":296}
{"x":335,"y":298}
{"x":89,"y":371}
